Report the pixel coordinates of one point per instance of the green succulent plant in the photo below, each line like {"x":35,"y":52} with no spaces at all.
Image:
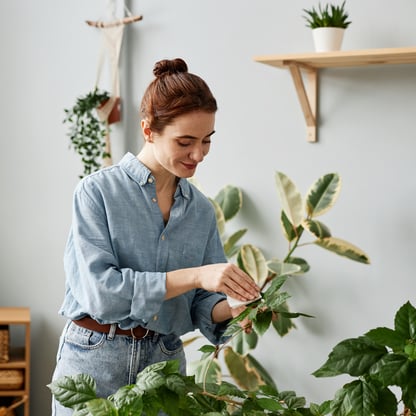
{"x":329,"y":15}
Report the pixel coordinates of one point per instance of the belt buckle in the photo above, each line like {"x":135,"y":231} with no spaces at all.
{"x":134,"y":336}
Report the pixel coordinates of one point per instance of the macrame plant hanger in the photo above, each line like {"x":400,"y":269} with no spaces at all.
{"x":112,"y":36}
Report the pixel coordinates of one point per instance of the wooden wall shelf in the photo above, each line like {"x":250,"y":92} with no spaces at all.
{"x":19,"y":355}
{"x":306,"y":66}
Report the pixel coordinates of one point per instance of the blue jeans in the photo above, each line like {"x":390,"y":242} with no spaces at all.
{"x":112,"y":360}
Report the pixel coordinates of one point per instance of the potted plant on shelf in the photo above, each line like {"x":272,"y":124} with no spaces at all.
{"x":328,"y":24}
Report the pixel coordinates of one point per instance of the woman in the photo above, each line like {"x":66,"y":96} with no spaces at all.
{"x":144,"y":262}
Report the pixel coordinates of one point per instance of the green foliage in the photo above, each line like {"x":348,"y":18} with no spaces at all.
{"x":328,"y":16}
{"x":87,"y":132}
{"x":160,"y":387}
{"x":380,"y":359}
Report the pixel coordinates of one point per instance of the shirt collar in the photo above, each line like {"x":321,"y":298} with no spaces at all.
{"x":141,"y":174}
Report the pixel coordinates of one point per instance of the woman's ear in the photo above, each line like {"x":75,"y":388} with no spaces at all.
{"x":147,"y":132}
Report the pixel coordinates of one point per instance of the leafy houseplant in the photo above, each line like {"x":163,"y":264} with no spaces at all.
{"x":328,"y":24}
{"x":87,"y":131}
{"x":254,"y":392}
{"x":380,"y":359}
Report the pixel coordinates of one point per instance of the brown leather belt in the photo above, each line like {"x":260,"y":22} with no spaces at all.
{"x":138,"y":332}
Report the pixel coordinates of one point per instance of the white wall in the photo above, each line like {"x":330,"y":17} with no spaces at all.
{"x":367,"y":134}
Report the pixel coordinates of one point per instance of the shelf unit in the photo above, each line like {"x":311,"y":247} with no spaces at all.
{"x":305,"y":67}
{"x":19,"y":355}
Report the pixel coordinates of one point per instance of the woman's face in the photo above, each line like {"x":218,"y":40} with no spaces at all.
{"x":183,"y":144}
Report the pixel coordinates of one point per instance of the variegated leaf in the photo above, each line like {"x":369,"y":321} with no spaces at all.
{"x":252,"y":261}
{"x":219,"y":215}
{"x":323,"y":194}
{"x":317,"y":228}
{"x":283,"y":269}
{"x":290,"y":198}
{"x":343,"y":248}
{"x":242,"y":371}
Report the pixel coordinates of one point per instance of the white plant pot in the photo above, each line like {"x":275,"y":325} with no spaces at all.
{"x":327,"y":39}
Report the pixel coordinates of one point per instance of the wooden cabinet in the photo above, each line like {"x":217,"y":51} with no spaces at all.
{"x":307,"y":65}
{"x":18,"y":320}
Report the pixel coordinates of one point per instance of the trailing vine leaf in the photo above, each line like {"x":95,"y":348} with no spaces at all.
{"x":323,"y":194}
{"x":230,"y":199}
{"x":343,"y":248}
{"x":290,"y":198}
{"x":87,"y":131}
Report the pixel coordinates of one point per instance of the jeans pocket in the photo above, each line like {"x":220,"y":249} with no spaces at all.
{"x":84,"y":338}
{"x":170,"y":344}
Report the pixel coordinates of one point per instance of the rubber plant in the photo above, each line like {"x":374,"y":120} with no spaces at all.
{"x":87,"y":131}
{"x":253,"y":391}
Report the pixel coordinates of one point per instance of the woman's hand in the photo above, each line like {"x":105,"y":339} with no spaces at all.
{"x":228,"y":279}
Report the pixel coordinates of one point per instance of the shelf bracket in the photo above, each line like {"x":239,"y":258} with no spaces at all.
{"x":307,"y":96}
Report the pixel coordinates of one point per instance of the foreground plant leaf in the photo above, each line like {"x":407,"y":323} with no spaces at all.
{"x":353,"y":356}
{"x":71,"y":391}
{"x":343,"y":248}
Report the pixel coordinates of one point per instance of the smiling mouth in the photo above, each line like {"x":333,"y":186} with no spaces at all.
{"x":189,"y":166}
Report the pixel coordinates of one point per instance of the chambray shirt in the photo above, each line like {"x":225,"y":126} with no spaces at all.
{"x":119,"y":250}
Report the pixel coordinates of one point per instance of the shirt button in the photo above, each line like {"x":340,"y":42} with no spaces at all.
{"x":163,"y":237}
{"x":154,"y":199}
{"x":150,"y":180}
{"x":155,"y":318}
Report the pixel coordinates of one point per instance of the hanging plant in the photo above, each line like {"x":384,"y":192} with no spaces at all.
{"x":87,"y":130}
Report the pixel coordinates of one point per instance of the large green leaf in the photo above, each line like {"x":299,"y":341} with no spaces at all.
{"x":388,"y":337}
{"x":230,"y":199}
{"x":70,"y":391}
{"x":262,"y":321}
{"x":358,"y":398}
{"x":252,"y":261}
{"x":290,"y":198}
{"x":405,"y":321}
{"x":392,"y":369}
{"x":352,"y":356}
{"x":243,"y":342}
{"x":323,"y":194}
{"x":343,"y":248}
{"x":97,"y":407}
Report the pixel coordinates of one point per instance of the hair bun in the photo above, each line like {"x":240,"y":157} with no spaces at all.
{"x":169,"y":67}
